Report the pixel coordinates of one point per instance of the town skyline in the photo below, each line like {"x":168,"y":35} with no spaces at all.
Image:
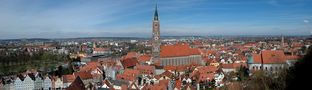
{"x":73,"y":19}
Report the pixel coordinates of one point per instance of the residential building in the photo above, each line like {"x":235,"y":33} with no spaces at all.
{"x":47,"y":83}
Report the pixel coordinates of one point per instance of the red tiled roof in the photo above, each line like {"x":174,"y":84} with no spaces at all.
{"x":145,"y":69}
{"x":144,"y":58}
{"x":129,"y":62}
{"x":131,"y":72}
{"x":178,"y":84}
{"x":131,"y":55}
{"x":292,"y":57}
{"x":76,"y":85}
{"x":164,"y":82}
{"x":68,"y":78}
{"x":100,"y":49}
{"x":207,"y":69}
{"x":83,"y":75}
{"x":181,"y":68}
{"x":90,"y":66}
{"x":170,"y":67}
{"x":234,"y":65}
{"x":177,"y":50}
{"x":212,"y":52}
{"x":206,"y":76}
{"x":128,"y":74}
{"x":166,"y":73}
{"x":270,"y":56}
{"x":158,"y":87}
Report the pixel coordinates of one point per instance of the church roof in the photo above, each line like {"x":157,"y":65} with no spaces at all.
{"x":270,"y":57}
{"x":177,"y":50}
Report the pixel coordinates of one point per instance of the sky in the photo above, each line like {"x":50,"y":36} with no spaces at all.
{"x":133,"y":18}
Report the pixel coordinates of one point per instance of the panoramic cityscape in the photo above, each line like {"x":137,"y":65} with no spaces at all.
{"x":155,"y":44}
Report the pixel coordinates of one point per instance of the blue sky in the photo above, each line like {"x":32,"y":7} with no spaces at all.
{"x":132,"y":18}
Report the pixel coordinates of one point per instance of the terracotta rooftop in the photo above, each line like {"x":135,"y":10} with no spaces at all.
{"x":177,"y":50}
{"x":83,"y":75}
{"x":76,"y":85}
{"x":131,"y":55}
{"x":292,"y":57}
{"x":129,"y":62}
{"x":233,"y":65}
{"x":144,"y":58}
{"x":270,"y":56}
{"x":207,"y":69}
{"x":90,"y":66}
{"x":68,"y":78}
{"x":206,"y":76}
{"x":145,"y":69}
{"x":170,"y":67}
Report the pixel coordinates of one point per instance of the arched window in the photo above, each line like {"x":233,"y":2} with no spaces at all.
{"x":271,"y":69}
{"x":266,"y":68}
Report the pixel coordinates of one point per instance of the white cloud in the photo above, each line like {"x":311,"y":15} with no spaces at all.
{"x":306,"y":21}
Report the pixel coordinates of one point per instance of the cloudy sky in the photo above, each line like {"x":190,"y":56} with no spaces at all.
{"x":124,"y":18}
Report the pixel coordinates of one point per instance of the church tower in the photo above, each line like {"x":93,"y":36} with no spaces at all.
{"x":156,"y":37}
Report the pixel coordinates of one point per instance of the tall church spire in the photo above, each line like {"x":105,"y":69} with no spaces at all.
{"x":156,"y":13}
{"x":156,"y":38}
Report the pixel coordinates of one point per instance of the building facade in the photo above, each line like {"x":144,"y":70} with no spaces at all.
{"x":47,"y":83}
{"x":179,"y":54}
{"x":39,"y":83}
{"x":267,"y":60}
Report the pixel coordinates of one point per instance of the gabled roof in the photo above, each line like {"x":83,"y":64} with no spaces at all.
{"x":270,"y":57}
{"x":129,"y":62}
{"x":131,"y":55}
{"x":177,"y":50}
{"x":109,"y":84}
{"x":76,"y":85}
{"x":207,"y":69}
{"x":167,"y":74}
{"x":144,"y":58}
{"x":145,"y":69}
{"x":136,"y":87}
{"x":83,"y":75}
{"x":68,"y":78}
{"x":90,"y":66}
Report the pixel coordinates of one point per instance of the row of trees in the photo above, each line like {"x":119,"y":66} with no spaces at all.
{"x":21,"y":61}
